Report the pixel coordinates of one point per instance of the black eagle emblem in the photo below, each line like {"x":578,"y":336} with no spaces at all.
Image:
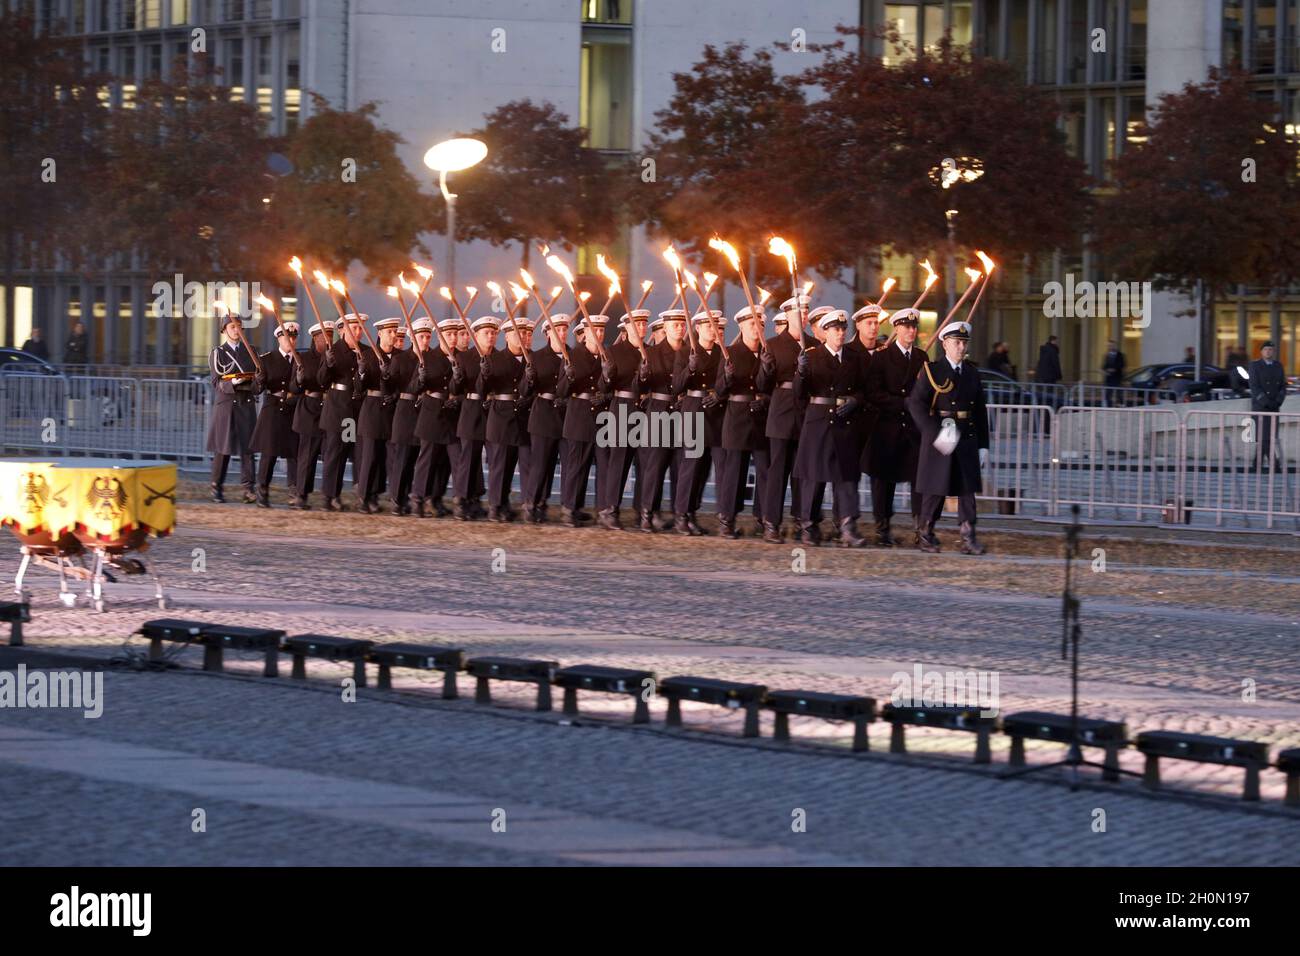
{"x":106,"y":497}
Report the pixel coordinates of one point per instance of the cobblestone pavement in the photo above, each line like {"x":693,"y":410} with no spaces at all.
{"x":289,"y":773}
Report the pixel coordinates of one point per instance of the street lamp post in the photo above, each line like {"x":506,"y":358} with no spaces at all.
{"x":451,"y":156}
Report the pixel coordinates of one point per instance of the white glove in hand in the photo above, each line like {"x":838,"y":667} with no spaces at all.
{"x":948,"y":437}
{"x":984,"y":457}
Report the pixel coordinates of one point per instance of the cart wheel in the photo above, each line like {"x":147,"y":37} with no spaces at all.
{"x":68,"y":598}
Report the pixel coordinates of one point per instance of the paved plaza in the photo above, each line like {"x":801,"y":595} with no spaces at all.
{"x":1181,"y":631}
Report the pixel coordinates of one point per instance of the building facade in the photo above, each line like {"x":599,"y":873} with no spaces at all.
{"x":436,"y":67}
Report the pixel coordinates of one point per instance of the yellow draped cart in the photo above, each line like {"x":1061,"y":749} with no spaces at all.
{"x":64,"y":511}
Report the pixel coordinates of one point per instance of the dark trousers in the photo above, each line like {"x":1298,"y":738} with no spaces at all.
{"x":1264,"y":429}
{"x":467,"y":470}
{"x":266,"y":468}
{"x":400,"y":466}
{"x":932,"y":508}
{"x":502,"y":459}
{"x":247,"y":469}
{"x":692,"y":476}
{"x":337,"y":453}
{"x":612,"y":467}
{"x":541,"y":470}
{"x":882,"y":499}
{"x":781,"y":452}
{"x":729,"y":484}
{"x":844,"y":499}
{"x":578,"y":456}
{"x":309,"y":447}
{"x":430,"y":461}
{"x":654,"y":464}
{"x":371,"y":468}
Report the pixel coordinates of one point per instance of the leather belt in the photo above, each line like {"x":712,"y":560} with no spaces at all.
{"x":473,"y":396}
{"x":409,"y":396}
{"x":696,"y":393}
{"x":342,"y":386}
{"x":436,"y":394}
{"x":549,"y":396}
{"x":828,"y":400}
{"x":585,"y":396}
{"x":785,"y":385}
{"x":661,"y":396}
{"x":740,"y":398}
{"x":374,"y":393}
{"x":312,"y":394}
{"x":631,"y":395}
{"x":960,"y":415}
{"x":504,"y":397}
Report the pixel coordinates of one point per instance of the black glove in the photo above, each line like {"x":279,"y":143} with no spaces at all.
{"x":710,"y":400}
{"x":530,"y":376}
{"x":693,"y":363}
{"x":451,"y":405}
{"x":607,"y":370}
{"x":842,"y":412}
{"x":329,"y":358}
{"x":457,"y":376}
{"x":767,"y":362}
{"x":260,"y":378}
{"x":803,"y":362}
{"x":728,"y":372}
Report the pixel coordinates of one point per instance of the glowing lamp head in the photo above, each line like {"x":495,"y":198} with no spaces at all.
{"x":453,"y":155}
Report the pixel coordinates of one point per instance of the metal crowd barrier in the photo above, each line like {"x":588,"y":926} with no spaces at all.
{"x":101,"y":415}
{"x":1239,"y":465}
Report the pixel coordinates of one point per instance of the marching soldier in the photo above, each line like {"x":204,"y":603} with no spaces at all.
{"x":784,"y":420}
{"x":338,"y":417}
{"x":471,"y":428}
{"x":306,"y":417}
{"x":579,"y":386}
{"x":273,"y":436}
{"x":545,"y":418}
{"x":828,"y":378}
{"x":234,"y":414}
{"x":620,"y":382}
{"x":863,"y":347}
{"x":743,"y":425}
{"x":436,"y":425}
{"x":500,"y":382}
{"x":402,"y":443}
{"x":659,"y":377}
{"x":892,"y":451}
{"x":696,"y":383}
{"x":947,"y":404}
{"x":376,"y":384}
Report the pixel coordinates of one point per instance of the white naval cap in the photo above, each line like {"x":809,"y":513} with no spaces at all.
{"x":389,"y":323}
{"x":321,"y":327}
{"x":834,"y":317}
{"x":818,"y":312}
{"x":451,"y":325}
{"x":908,"y":316}
{"x":747,"y":314}
{"x":789,"y":304}
{"x":485,"y":322}
{"x":288,"y":328}
{"x":866,"y":312}
{"x":712,"y":317}
{"x":424,"y":324}
{"x":955,"y":330}
{"x":356,"y":318}
{"x":633,"y":315}
{"x":678,"y":315}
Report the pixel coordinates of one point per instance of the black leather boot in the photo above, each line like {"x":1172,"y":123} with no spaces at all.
{"x":663,"y":524}
{"x":771,"y":533}
{"x":693,"y":523}
{"x":417,"y":506}
{"x":263,"y":497}
{"x":925,"y":539}
{"x":440,"y":510}
{"x":969,"y":543}
{"x":217,"y":494}
{"x":332,"y":504}
{"x":607,"y":518}
{"x":644,"y":522}
{"x":250,"y":498}
{"x":568,"y":518}
{"x":849,"y":537}
{"x":883,"y":538}
{"x":727,"y":526}
{"x":458,"y":509}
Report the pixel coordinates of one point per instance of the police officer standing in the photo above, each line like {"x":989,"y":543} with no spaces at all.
{"x":273,"y":437}
{"x":1267,"y":392}
{"x":231,"y":369}
{"x":893,"y":448}
{"x":947,"y":404}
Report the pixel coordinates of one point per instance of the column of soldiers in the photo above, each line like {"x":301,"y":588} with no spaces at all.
{"x":811,"y":415}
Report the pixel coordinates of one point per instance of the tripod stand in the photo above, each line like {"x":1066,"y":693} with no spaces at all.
{"x":1071,"y":631}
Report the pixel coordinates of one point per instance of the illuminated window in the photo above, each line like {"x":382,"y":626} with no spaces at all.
{"x":933,"y":26}
{"x":605,"y":104}
{"x":292,"y":90}
{"x":180,"y":11}
{"x":900,"y":19}
{"x":264,"y":91}
{"x":961,"y":22}
{"x":607,"y":11}
{"x":123,"y":325}
{"x":148,"y":14}
{"x":1264,"y":56}
{"x":1135,"y":110}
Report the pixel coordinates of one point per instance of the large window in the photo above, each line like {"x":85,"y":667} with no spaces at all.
{"x":605,"y":105}
{"x":1045,"y":69}
{"x":1234,"y":25}
{"x":1077,"y":62}
{"x":1135,"y":44}
{"x":900,"y":19}
{"x":1018,"y":34}
{"x":1264,"y":55}
{"x":607,"y":11}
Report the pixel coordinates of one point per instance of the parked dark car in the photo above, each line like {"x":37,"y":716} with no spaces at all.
{"x":1180,"y":378}
{"x":1002,"y":389}
{"x":18,"y":362}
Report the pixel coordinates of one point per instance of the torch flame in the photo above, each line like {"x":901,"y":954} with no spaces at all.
{"x":710,"y":280}
{"x":392,"y":292}
{"x":887,"y":286}
{"x":296,"y":265}
{"x":424,"y":271}
{"x":445,"y":293}
{"x":728,"y":250}
{"x":778,"y":247}
{"x":989,"y":264}
{"x":321,"y":278}
{"x":407,"y":284}
{"x":608,"y":272}
{"x":584,"y":296}
{"x":520,"y":292}
{"x":338,"y":286}
{"x":974,"y":274}
{"x":670,"y":256}
{"x":557,"y":264}
{"x":494,"y":288}
{"x":808,"y":286}
{"x":471,"y":290}
{"x":763,"y":295}
{"x":647,"y":285}
{"x":265,"y":303}
{"x":528,"y":280}
{"x":555,"y":290}
{"x":931,"y":277}
{"x":691,"y":280}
